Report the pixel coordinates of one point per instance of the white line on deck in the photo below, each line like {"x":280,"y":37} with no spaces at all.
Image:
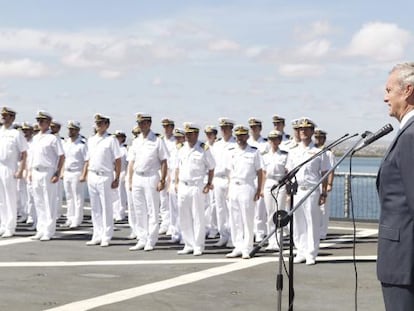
{"x":134,"y":292}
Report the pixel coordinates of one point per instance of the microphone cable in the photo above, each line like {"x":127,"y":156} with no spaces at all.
{"x":351,"y":202}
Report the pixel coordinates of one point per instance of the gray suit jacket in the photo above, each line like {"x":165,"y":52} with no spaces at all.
{"x":395,"y":185}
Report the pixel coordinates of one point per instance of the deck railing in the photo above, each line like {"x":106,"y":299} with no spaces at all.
{"x":359,"y":190}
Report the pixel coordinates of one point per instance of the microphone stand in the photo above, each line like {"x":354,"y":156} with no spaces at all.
{"x":282,"y":218}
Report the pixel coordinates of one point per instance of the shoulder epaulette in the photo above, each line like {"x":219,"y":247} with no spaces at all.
{"x":231,"y":148}
{"x":283,"y":151}
{"x":220,"y":138}
{"x":204,"y":146}
{"x":287,"y":136}
{"x":253,"y":147}
{"x":158,"y":135}
{"x":265,"y":138}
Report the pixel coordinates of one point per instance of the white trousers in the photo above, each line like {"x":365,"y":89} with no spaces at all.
{"x":31,"y":210}
{"x":242,"y":208}
{"x":22,"y":208}
{"x":221,"y":188}
{"x":120,"y":203}
{"x":210,"y":213}
{"x":260,"y":218}
{"x":8,"y":199}
{"x":146,"y":200}
{"x":191,"y":201}
{"x":75,"y":197}
{"x":45,"y":194}
{"x":101,"y":197}
{"x":306,"y":224}
{"x":325,"y":213}
{"x":59,"y":198}
{"x":132,"y":217}
{"x":174,"y":216}
{"x":271,"y":207}
{"x":165,"y":209}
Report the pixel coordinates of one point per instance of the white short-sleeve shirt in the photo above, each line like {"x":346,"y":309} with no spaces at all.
{"x":46,"y":149}
{"x":243,"y":164}
{"x":148,"y":153}
{"x":102,"y":152}
{"x":12,"y":144}
{"x":75,"y":154}
{"x":193,"y":163}
{"x":311,"y":172}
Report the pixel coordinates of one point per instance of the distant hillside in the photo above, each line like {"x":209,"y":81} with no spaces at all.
{"x":373,"y":150}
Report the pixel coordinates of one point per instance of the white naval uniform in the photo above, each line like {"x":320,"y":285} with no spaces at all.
{"x":164,"y":200}
{"x":287,"y":142}
{"x":174,"y":219}
{"x":12,"y":144}
{"x":45,"y":150}
{"x":102,"y":153}
{"x":275,"y":168}
{"x":147,"y":155}
{"x":210,"y":208}
{"x":75,"y":158}
{"x":306,"y":219}
{"x":132,"y":217}
{"x":31,"y":210}
{"x":60,"y":189}
{"x":243,"y":165}
{"x":120,"y":202}
{"x":193,"y":163}
{"x":260,"y":216}
{"x":325,"y":207}
{"x":221,"y":152}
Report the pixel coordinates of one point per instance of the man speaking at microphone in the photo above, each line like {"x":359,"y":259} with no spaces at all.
{"x":395,"y":185}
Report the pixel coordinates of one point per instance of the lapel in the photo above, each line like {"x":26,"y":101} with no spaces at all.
{"x":392,"y":145}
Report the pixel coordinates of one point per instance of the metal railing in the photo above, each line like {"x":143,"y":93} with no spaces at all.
{"x":364,"y":196}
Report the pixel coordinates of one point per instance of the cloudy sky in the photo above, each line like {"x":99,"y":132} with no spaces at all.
{"x":199,"y":60}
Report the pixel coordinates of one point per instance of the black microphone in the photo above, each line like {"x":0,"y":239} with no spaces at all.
{"x":373,"y":137}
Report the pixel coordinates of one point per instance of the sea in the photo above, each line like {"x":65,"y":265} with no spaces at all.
{"x":359,"y":165}
{"x":354,"y":190}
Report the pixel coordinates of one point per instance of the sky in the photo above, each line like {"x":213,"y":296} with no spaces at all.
{"x":200,"y":60}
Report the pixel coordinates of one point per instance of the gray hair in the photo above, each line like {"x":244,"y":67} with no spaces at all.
{"x":405,"y":73}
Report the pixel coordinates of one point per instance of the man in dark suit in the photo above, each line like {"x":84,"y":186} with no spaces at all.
{"x":395,"y":184}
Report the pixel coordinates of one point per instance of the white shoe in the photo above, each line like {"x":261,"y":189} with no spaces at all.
{"x":93,"y":242}
{"x":234,"y":254}
{"x":221,"y":242}
{"x":162,"y":231}
{"x":245,"y":255}
{"x":185,"y":251}
{"x":310,"y":262}
{"x":29,"y":220}
{"x":299,"y":259}
{"x":45,"y":238}
{"x":148,"y":248}
{"x":104,"y":244}
{"x":137,"y":247}
{"x":37,"y":236}
{"x":7,"y":234}
{"x":132,"y":236}
{"x":2,"y":231}
{"x":197,"y":253}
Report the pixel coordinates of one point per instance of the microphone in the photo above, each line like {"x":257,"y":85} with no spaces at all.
{"x":373,"y":137}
